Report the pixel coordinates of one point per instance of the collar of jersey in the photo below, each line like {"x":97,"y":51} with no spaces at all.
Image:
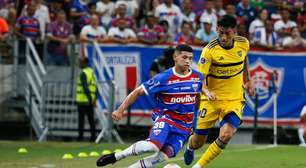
{"x":179,"y":75}
{"x":227,"y":48}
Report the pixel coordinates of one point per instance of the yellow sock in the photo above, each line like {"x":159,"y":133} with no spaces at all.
{"x":210,"y":154}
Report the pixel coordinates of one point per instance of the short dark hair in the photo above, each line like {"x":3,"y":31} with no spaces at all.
{"x":91,"y":4}
{"x":227,"y":21}
{"x":183,"y":47}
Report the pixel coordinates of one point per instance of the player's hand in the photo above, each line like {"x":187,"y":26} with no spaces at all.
{"x":117,"y":115}
{"x":250,"y":88}
{"x":209,"y":94}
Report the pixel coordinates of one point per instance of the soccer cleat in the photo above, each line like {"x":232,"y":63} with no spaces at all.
{"x":106,"y":159}
{"x":188,"y":156}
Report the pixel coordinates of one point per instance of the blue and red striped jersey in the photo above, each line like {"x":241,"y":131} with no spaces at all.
{"x":175,"y":95}
{"x":29,"y":26}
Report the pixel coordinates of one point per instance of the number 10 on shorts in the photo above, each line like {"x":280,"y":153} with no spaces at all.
{"x":202,"y":112}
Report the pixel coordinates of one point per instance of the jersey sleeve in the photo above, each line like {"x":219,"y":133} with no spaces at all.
{"x":205,"y":61}
{"x":154,"y":85}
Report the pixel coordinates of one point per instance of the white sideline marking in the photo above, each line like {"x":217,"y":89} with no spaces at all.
{"x":233,"y":150}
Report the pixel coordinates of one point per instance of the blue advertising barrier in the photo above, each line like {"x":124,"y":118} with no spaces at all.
{"x":131,"y":63}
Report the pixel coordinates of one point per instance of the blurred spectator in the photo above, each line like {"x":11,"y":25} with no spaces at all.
{"x":302,"y":23}
{"x":121,"y":33}
{"x":245,"y":10}
{"x":205,"y":34}
{"x":258,"y":23}
{"x":186,"y":36}
{"x":171,"y":13}
{"x":55,"y":7}
{"x":28,"y":27}
{"x":242,"y":30}
{"x":60,"y":35}
{"x":284,"y":26}
{"x":5,"y":5}
{"x":231,"y":10}
{"x":121,"y":14}
{"x":258,"y":5}
{"x":302,"y":129}
{"x":162,"y":63}
{"x":198,"y":6}
{"x":11,"y":23}
{"x":266,"y":38}
{"x":78,"y":9}
{"x":210,"y":12}
{"x":132,"y":7}
{"x":168,"y":36}
{"x":151,"y":33}
{"x":85,"y":19}
{"x":105,"y":9}
{"x":295,"y":40}
{"x":93,"y":32}
{"x":219,"y":8}
{"x":274,"y":7}
{"x":41,"y":14}
{"x":187,"y":13}
{"x":4,"y":28}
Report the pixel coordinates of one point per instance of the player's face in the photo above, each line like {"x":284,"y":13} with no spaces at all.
{"x":183,"y":60}
{"x":226,"y":35}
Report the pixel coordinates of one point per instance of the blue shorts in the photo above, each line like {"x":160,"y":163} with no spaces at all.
{"x":168,"y":138}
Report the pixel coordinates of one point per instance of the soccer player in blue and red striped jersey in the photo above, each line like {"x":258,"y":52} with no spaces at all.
{"x":176,"y":92}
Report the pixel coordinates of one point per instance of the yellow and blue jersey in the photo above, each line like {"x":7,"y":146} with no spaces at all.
{"x":224,"y":68}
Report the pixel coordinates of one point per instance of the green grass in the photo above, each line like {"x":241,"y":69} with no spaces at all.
{"x":46,"y":154}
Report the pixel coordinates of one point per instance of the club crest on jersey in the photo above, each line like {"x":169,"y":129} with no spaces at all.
{"x":195,"y":86}
{"x":239,"y":53}
{"x":157,"y":131}
{"x":263,"y":76}
{"x":203,"y":60}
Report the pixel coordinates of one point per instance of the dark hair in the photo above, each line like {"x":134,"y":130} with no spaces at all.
{"x":227,"y":21}
{"x":91,"y":4}
{"x":183,"y":47}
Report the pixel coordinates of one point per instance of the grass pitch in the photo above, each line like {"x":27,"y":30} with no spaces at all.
{"x":49,"y":155}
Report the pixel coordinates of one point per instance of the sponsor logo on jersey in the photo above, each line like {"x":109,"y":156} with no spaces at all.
{"x":185,"y":99}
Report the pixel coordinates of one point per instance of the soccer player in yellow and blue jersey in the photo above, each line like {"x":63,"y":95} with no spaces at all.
{"x":224,"y":65}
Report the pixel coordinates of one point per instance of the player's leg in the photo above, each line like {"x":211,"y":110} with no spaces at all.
{"x":302,"y":130}
{"x":150,"y":161}
{"x":156,"y":140}
{"x":230,"y":122}
{"x":174,"y":143}
{"x":206,"y":118}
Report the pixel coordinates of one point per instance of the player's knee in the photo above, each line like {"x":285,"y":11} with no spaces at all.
{"x":197,"y":142}
{"x":167,"y":152}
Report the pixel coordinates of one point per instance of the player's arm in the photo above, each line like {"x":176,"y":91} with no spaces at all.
{"x":130,"y":99}
{"x":203,"y":67}
{"x":246,"y":76}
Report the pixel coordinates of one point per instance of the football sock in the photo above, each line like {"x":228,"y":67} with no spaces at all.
{"x":189,"y":145}
{"x":150,"y":161}
{"x":212,"y":152}
{"x":136,"y":149}
{"x":301,"y":135}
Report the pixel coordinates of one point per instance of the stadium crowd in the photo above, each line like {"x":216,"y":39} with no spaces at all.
{"x":268,"y":24}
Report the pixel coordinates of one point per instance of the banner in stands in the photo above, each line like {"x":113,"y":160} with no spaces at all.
{"x":284,"y":71}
